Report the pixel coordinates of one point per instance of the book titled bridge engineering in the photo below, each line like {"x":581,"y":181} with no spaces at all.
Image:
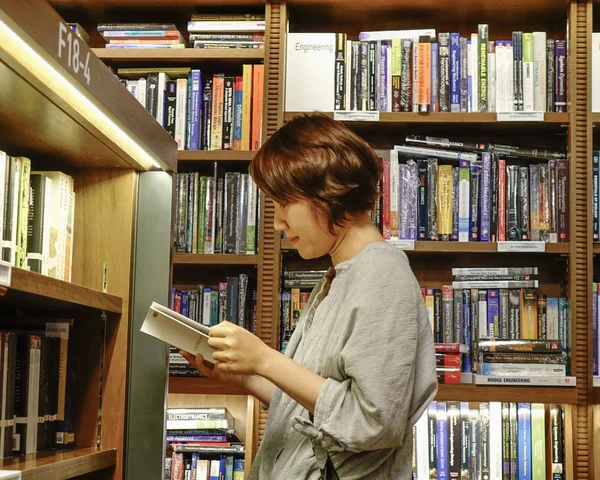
{"x":177,"y":330}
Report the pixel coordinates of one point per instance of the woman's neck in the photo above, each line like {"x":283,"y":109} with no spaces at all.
{"x":353,"y":238}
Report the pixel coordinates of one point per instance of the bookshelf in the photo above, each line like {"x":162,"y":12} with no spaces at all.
{"x":96,"y":133}
{"x":176,"y":55}
{"x":566,"y":267}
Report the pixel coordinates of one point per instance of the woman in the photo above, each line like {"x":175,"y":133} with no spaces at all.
{"x":359,"y":369}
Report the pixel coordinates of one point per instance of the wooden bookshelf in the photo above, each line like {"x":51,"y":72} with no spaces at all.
{"x":215,"y":155}
{"x":460,"y":247}
{"x":33,"y":288}
{"x":176,"y":55}
{"x":484,"y":393}
{"x":215,"y":259}
{"x":67,"y":464}
{"x":490,"y":119}
{"x":202,"y":386}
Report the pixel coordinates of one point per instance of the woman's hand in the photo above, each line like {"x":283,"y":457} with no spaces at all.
{"x":208,"y":370}
{"x":238,"y":351}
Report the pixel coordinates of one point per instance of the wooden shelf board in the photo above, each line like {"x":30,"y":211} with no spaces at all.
{"x":131,"y":4}
{"x":33,"y":289}
{"x":215,"y":259}
{"x":202,"y":386}
{"x":176,"y":55}
{"x":484,"y":393}
{"x":452,"y":118}
{"x":215,"y":155}
{"x":61,"y":464}
{"x":459,"y":247}
{"x":38,"y":119}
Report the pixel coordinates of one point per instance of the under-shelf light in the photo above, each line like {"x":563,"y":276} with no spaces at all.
{"x":22,"y":52}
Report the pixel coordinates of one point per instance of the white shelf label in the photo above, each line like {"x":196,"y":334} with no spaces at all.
{"x":522,"y":246}
{"x":5,"y":273}
{"x":520,"y":116}
{"x":73,"y":53}
{"x":343,"y":116}
{"x":403,"y":244}
{"x":596,"y":381}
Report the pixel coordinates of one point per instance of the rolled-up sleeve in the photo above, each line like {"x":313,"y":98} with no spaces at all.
{"x":369,"y":409}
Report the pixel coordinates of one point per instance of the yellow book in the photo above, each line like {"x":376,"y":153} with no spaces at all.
{"x":445,"y":202}
{"x":529,"y":315}
{"x":246,"y":106}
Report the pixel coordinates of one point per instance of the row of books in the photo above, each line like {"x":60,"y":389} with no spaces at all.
{"x":199,"y":110}
{"x":432,"y":193}
{"x":216,"y":214}
{"x":489,"y":440}
{"x":37,"y":212}
{"x":421,"y":71}
{"x":204,"y":443}
{"x":37,"y":385}
{"x":205,"y":31}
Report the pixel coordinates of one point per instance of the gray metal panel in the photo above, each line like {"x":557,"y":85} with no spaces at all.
{"x":148,"y":358}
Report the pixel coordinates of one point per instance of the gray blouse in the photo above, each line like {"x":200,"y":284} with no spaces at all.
{"x":365,"y":329}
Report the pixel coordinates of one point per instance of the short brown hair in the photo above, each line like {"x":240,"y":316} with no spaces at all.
{"x":316,"y":158}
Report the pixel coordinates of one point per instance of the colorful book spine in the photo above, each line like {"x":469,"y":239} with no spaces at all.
{"x":455,"y":74}
{"x":560,"y":62}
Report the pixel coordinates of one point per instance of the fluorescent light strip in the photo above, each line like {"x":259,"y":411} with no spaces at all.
{"x":15,"y":46}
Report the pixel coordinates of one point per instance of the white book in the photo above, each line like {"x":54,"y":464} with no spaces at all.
{"x":536,"y":381}
{"x":475,"y":86}
{"x":310,"y":72}
{"x":464,"y":206}
{"x":181,"y":113}
{"x":132,"y":86}
{"x":423,"y":447}
{"x":492,"y":107}
{"x":539,"y":71}
{"x":595,"y":72}
{"x":4,"y":161}
{"x":251,"y":219}
{"x":206,"y":307}
{"x":177,"y":330}
{"x":470,"y":79}
{"x":499,"y":83}
{"x":348,"y":70}
{"x":483,"y":324}
{"x":509,"y":65}
{"x":495,"y":439}
{"x":226,"y":26}
{"x":16,"y":181}
{"x":140,"y":93}
{"x":527,"y":72}
{"x":163,"y":78}
{"x":415,"y":75}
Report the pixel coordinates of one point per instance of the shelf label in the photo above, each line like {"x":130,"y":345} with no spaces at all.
{"x":58,"y":330}
{"x":357,"y":116}
{"x":105,"y":277}
{"x":402,"y":244}
{"x":5,"y":273}
{"x":520,"y":116}
{"x":527,"y":246}
{"x":71,"y":54}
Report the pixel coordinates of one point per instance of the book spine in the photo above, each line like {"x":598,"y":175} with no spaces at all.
{"x":455,"y":203}
{"x":492,"y":106}
{"x":528,"y":77}
{"x":539,"y":71}
{"x":550,"y":74}
{"x":435,"y":78}
{"x":340,"y":71}
{"x":424,"y":73}
{"x":553,"y":236}
{"x":442,"y":441}
{"x":464,"y":201}
{"x":544,"y":205}
{"x":562,"y":200}
{"x":482,"y":36}
{"x":474,"y":202}
{"x":432,"y":220}
{"x":216,"y":121}
{"x":557,"y":443}
{"x":524,"y":204}
{"x":455,"y":66}
{"x":445,"y":202}
{"x":228,"y":105}
{"x":444,"y":79}
{"x":207,"y":103}
{"x":396,"y":74}
{"x":372,"y":69}
{"x":432,"y":435}
{"x":485,"y":212}
{"x":406,"y":84}
{"x":464,"y":77}
{"x":422,"y":201}
{"x":560,"y":62}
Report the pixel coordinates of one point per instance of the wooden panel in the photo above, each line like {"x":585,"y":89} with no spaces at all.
{"x":94,"y":4}
{"x":108,"y":197}
{"x":460,"y":118}
{"x":57,"y":465}
{"x":236,"y":404}
{"x":38,"y":24}
{"x":215,"y":259}
{"x":461,"y":247}
{"x":203,"y":386}
{"x":268,"y":297}
{"x":251,"y":432}
{"x":214,"y":155}
{"x":580,"y":267}
{"x":480,"y":393}
{"x":30,"y":288}
{"x":176,"y":55}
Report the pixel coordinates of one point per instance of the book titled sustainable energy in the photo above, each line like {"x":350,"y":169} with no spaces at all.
{"x":177,"y":330}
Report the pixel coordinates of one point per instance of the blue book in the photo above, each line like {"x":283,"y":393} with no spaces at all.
{"x":455,"y":72}
{"x":195,"y":109}
{"x":595,"y":326}
{"x":595,"y":196}
{"x":435,"y":78}
{"x":237,"y":111}
{"x":470,"y":81}
{"x":524,"y":440}
{"x":467,"y":361}
{"x":563,"y":325}
{"x":493,"y":309}
{"x":485,"y":188}
{"x":185,"y":303}
{"x":442,"y":441}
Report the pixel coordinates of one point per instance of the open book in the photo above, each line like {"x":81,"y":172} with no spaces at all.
{"x":177,"y":330}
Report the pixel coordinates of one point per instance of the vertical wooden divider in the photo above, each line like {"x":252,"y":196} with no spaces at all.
{"x":580,"y":261}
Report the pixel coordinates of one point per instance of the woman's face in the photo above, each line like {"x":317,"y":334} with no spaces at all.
{"x":305,"y":228}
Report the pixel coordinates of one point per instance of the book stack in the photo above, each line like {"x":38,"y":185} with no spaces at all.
{"x":217,"y":31}
{"x":421,"y":71}
{"x":295,"y":292}
{"x":439,"y":189}
{"x":448,"y":362}
{"x":502,"y":304}
{"x":489,"y":440}
{"x":204,"y":444}
{"x":217,"y":213}
{"x":202,"y":111}
{"x":37,"y":213}
{"x":141,"y":35}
